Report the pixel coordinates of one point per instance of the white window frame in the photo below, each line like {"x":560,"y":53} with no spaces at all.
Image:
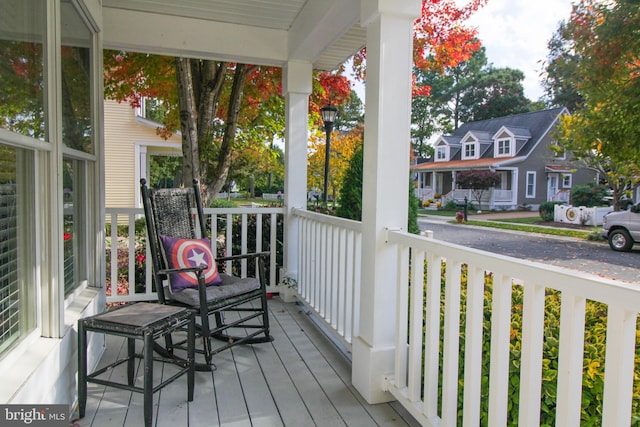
{"x":530,"y":186}
{"x":500,"y":147}
{"x":567,"y":180}
{"x":442,"y":153}
{"x":470,"y":147}
{"x":559,"y":155}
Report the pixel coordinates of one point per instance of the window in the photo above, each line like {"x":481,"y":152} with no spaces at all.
{"x":558,"y":152}
{"x":441,"y":153}
{"x":151,"y":109}
{"x":566,"y":180}
{"x":531,"y":185}
{"x":77,"y":129}
{"x":22,"y":113}
{"x":469,"y":150}
{"x":17,"y":284}
{"x":31,"y":228}
{"x":22,"y":72}
{"x":503,"y":147}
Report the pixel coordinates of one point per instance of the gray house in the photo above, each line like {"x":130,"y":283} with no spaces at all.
{"x":516,"y":147}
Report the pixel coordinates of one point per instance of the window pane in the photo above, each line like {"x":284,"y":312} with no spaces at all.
{"x":70,"y":234}
{"x":21,"y":67}
{"x":17,"y":306}
{"x":77,"y":129}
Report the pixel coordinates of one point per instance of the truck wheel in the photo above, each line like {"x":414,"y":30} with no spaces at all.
{"x":620,"y":240}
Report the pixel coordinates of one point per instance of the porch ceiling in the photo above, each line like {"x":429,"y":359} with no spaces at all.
{"x":266,"y":32}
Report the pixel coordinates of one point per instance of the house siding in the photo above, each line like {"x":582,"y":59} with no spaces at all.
{"x":533,"y":136}
{"x":122,"y":132}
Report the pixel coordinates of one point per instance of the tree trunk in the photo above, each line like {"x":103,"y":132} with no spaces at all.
{"x":188,"y":125}
{"x":221,"y":171}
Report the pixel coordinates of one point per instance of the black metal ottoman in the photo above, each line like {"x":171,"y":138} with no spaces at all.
{"x":143,"y":321}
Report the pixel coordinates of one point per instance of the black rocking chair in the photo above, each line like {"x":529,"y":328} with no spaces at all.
{"x":228,"y":308}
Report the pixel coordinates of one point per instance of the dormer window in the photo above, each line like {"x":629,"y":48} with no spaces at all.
{"x":470,"y":150}
{"x":504,"y":147}
{"x":441,"y":153}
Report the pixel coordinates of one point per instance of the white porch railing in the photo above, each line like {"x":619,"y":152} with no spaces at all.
{"x":448,"y":374}
{"x":501,"y":195}
{"x":329,"y":264}
{"x":134,"y":276}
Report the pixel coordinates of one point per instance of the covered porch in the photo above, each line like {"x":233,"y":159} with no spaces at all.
{"x":428,"y":324}
{"x":298,"y":379}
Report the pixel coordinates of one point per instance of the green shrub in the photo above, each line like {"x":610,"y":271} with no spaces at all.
{"x":588,"y":195}
{"x":594,"y":356}
{"x":222,"y":203}
{"x":547,"y":209}
{"x":351,"y":192}
{"x":414,"y":205}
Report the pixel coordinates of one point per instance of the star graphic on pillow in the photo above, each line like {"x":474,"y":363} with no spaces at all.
{"x":197,"y":258}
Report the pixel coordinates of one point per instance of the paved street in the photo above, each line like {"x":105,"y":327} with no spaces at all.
{"x":591,"y":257}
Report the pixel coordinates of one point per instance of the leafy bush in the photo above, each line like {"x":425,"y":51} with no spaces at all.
{"x":546,"y":210}
{"x":414,"y":205}
{"x":588,"y":195}
{"x":594,"y":356}
{"x":222,"y":203}
{"x":351,"y":191}
{"x":139,"y":271}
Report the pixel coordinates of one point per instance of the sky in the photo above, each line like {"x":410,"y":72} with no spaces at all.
{"x":515,"y":34}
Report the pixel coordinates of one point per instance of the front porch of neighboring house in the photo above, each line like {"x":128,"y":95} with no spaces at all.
{"x":441,"y":185}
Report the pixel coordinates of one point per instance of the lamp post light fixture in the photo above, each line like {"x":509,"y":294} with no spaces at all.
{"x":329,"y":114}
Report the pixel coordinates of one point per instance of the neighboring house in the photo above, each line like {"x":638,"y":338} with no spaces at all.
{"x":516,"y":147}
{"x":130,"y":142}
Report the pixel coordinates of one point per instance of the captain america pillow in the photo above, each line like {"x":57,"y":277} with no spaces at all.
{"x":185,"y":253}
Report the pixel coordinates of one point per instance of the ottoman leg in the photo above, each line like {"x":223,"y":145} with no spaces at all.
{"x":82,"y":368}
{"x":148,"y":379}
{"x":131,"y":365}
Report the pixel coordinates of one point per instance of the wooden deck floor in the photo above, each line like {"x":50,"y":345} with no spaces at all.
{"x":300,"y":379}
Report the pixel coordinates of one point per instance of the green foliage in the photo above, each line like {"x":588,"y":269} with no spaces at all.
{"x":222,"y":203}
{"x":547,"y":209}
{"x":594,"y":62}
{"x":414,"y":204}
{"x":497,"y":92}
{"x":251,"y":242}
{"x":588,"y":195}
{"x":351,"y":192}
{"x":593,"y":364}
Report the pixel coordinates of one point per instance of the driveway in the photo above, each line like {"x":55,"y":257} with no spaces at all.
{"x":577,"y":254}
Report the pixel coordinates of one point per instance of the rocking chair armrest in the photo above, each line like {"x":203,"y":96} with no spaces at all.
{"x":243,"y":256}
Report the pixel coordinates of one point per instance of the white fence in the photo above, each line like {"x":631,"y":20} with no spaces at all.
{"x":580,"y":214}
{"x":329,"y":270}
{"x":447,"y":371}
{"x":133,"y":273}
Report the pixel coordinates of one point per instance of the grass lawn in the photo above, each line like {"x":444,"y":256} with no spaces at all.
{"x":590,"y":234}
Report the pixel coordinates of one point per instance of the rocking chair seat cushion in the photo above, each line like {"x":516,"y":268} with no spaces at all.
{"x":184,"y":253}
{"x":229,"y":288}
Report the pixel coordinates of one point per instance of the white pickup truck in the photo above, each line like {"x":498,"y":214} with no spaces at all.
{"x":622,"y":228}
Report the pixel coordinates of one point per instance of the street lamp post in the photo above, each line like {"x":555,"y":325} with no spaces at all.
{"x":329,"y":114}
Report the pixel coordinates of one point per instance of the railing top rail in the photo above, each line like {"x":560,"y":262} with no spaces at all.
{"x":328,"y":219}
{"x":610,"y":292}
{"x":248,"y":210}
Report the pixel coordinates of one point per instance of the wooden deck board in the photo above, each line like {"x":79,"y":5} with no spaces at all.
{"x":299,"y":379}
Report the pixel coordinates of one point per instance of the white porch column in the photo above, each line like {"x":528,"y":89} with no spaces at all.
{"x":296,"y":88}
{"x":385,"y":202}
